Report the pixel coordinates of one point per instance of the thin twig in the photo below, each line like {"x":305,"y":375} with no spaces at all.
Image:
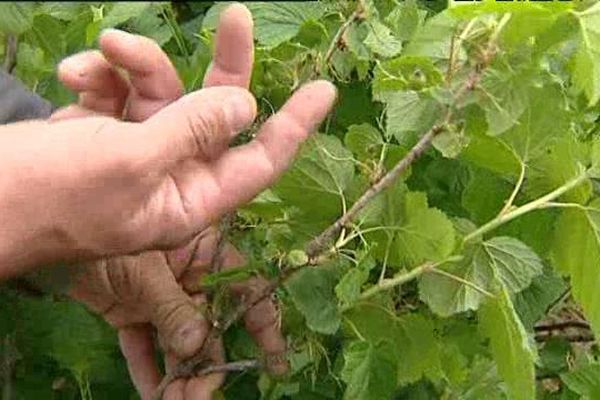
{"x":10,"y":57}
{"x":339,"y":36}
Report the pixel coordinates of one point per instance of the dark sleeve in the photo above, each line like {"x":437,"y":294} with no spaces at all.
{"x":17,"y":103}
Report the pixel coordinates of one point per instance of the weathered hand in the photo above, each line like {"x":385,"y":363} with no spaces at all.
{"x":161,"y":289}
{"x":132,"y":291}
{"x":97,"y":186}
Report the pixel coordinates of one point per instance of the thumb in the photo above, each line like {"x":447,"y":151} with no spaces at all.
{"x":200,"y":124}
{"x":180,"y":324}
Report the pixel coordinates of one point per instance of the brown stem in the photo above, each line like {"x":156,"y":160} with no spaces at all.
{"x":569,"y":338}
{"x":10,"y":58}
{"x":316,"y":246}
{"x":187,"y":369}
{"x":562,"y":326}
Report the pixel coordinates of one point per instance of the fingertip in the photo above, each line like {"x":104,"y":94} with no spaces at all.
{"x":237,"y":12}
{"x":189,"y":339}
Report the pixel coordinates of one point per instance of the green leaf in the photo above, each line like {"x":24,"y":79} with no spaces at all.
{"x":405,"y":19}
{"x":585,"y":380}
{"x":558,"y":164}
{"x":576,"y":252}
{"x":16,"y":17}
{"x":369,"y":371}
{"x":412,"y":337}
{"x":509,"y":345}
{"x":404,"y":73}
{"x":364,"y":141}
{"x":123,"y":12}
{"x":489,"y":152}
{"x":380,"y":40}
{"x":407,"y":232}
{"x":275,"y":23}
{"x":505,"y":96}
{"x":433,"y":39}
{"x":485,"y":195}
{"x":535,"y":130}
{"x":316,"y":182}
{"x":532,"y":303}
{"x":312,"y":291}
{"x":410,"y":115}
{"x":586,"y":71}
{"x":510,"y":260}
{"x":348,"y":289}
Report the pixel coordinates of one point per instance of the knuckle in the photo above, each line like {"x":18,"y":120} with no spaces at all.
{"x":209,"y":130}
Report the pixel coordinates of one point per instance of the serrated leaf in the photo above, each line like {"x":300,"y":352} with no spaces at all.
{"x":410,"y":115}
{"x":576,"y":252}
{"x":408,"y":231}
{"x":508,"y":259}
{"x":509,"y":345}
{"x":316,"y":181}
{"x":412,"y":336}
{"x":380,"y":40}
{"x":586,"y":72}
{"x":312,"y":291}
{"x":405,"y":19}
{"x":369,"y":371}
{"x":275,"y":23}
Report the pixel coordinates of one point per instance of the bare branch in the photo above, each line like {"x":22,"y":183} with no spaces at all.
{"x":10,"y":57}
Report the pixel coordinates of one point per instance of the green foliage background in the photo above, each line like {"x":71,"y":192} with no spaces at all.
{"x":464,"y":330}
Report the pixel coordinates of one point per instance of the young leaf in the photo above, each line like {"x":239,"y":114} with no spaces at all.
{"x":508,"y":259}
{"x":510,"y":345}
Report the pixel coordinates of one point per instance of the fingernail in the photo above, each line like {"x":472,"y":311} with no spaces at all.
{"x":240,"y":111}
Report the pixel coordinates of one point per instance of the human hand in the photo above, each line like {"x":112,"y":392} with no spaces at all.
{"x":96,"y":186}
{"x":155,"y":287}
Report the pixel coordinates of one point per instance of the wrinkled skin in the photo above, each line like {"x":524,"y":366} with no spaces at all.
{"x":98,"y":186}
{"x":159,"y":289}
